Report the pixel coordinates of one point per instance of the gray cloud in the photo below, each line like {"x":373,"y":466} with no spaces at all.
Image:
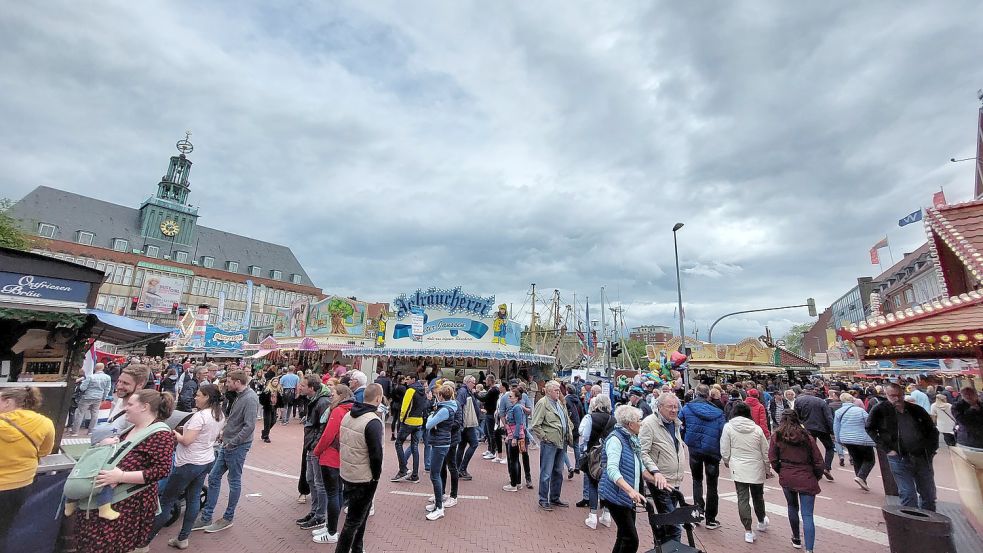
{"x":491,"y":146}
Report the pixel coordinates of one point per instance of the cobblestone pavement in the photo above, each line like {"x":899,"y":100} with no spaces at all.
{"x":490,"y":519}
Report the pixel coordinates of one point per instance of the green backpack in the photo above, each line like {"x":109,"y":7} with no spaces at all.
{"x":81,"y":484}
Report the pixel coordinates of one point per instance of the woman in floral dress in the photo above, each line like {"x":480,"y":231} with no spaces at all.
{"x":146,"y":463}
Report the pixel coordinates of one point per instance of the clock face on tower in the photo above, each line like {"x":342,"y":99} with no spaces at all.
{"x":169,"y":228}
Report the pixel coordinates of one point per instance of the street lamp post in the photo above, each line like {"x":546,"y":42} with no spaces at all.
{"x":679,"y":290}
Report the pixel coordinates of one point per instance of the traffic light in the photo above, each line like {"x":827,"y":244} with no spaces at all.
{"x":615,"y":349}
{"x":133,"y":303}
{"x":811,"y":304}
{"x":174,"y":307}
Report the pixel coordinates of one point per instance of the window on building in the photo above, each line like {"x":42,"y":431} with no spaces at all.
{"x":232,"y":266}
{"x":138,"y":277}
{"x":295,"y":278}
{"x":207,"y":262}
{"x":255,"y":271}
{"x":909,"y":296}
{"x":276,"y":275}
{"x":101,"y":302}
{"x":181,"y":257}
{"x":211,"y":289}
{"x":84,"y":238}
{"x":153,"y":251}
{"x":46,"y":230}
{"x":128,"y":276}
{"x":120,"y":245}
{"x":195,"y":286}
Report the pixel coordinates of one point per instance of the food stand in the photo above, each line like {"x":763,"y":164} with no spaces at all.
{"x":947,"y":328}
{"x":46,"y":324}
{"x":455,"y":332}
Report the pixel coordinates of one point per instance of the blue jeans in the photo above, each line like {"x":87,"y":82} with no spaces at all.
{"x":228,"y":460}
{"x":470,"y":437}
{"x":807,"y":504}
{"x":590,"y":493}
{"x":287,"y":401}
{"x":576,"y":456}
{"x":415,"y":434}
{"x":916,"y":480}
{"x":185,"y":482}
{"x":550,"y":472}
{"x":319,"y":498}
{"x":427,"y":450}
{"x":439,"y":455}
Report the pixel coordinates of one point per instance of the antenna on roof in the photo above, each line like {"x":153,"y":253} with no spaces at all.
{"x":184,"y":145}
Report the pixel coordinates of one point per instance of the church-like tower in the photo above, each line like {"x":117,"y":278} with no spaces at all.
{"x":166,"y":217}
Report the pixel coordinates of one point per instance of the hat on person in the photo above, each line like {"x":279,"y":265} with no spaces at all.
{"x":809,"y":387}
{"x":636,"y":391}
{"x":514,"y":382}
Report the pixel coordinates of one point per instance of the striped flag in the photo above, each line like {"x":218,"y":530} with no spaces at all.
{"x":938,"y":199}
{"x":874,"y":259}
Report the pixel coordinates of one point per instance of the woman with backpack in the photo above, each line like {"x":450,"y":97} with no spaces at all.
{"x":192,"y":462}
{"x":794,"y":455}
{"x":594,"y":428}
{"x":850,"y":429}
{"x":147,"y":462}
{"x":25,"y":437}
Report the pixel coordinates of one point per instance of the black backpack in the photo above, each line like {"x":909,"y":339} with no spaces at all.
{"x":590,"y":461}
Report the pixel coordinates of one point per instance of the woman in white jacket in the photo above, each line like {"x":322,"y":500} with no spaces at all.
{"x":744,"y":450}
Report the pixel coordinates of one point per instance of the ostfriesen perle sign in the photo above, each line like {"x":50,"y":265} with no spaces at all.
{"x":28,"y":288}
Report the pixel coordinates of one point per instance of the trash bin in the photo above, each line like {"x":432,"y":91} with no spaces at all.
{"x":913,"y":530}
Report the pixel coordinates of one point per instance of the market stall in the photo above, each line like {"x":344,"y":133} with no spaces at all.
{"x":456,"y":333}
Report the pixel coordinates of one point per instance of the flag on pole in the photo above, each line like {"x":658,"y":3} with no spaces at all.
{"x":909,"y":218}
{"x":874,"y":259}
{"x":89,"y":364}
{"x":938,"y":199}
{"x":590,"y":342}
{"x":979,"y":156}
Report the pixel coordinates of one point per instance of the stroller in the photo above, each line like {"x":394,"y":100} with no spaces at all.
{"x":685,"y":514}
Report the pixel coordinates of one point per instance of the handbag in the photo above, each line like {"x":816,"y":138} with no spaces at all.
{"x":522,"y":445}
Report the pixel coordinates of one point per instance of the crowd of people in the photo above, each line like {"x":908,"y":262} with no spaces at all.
{"x":631,"y":446}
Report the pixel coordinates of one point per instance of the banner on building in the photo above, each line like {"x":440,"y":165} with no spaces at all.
{"x":160,"y":292}
{"x":451,"y":319}
{"x":226,"y":335}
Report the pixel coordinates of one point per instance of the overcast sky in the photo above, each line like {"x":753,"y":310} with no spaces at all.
{"x":397,"y":145}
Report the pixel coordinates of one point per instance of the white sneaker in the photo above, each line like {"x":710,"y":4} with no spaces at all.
{"x":319,"y":530}
{"x":749,"y":537}
{"x":432,"y":500}
{"x":345,"y":510}
{"x":503,"y":461}
{"x":605,"y":518}
{"x":435,"y":514}
{"x":325,"y":538}
{"x":510,"y":488}
{"x":591,"y":521}
{"x":372,"y":509}
{"x":488,"y":455}
{"x":450,"y":502}
{"x":763,"y":525}
{"x":431,"y":507}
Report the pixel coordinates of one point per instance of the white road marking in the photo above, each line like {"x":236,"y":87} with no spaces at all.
{"x":837,"y":526}
{"x":424,"y":494}
{"x":863,"y":505}
{"x":273,"y":472}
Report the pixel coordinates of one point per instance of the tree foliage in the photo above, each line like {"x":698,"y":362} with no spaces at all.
{"x":636,"y":349}
{"x":11,"y":236}
{"x":793,"y":338}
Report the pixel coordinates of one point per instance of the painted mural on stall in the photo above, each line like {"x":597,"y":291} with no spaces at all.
{"x":452,"y":319}
{"x":332,"y":316}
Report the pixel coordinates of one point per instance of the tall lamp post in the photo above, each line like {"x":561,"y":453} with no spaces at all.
{"x":679,"y":290}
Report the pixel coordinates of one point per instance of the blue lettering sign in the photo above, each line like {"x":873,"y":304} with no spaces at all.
{"x":19,"y":286}
{"x":454,"y":301}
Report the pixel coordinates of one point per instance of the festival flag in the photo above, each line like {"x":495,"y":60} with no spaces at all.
{"x":909,"y":218}
{"x":979,"y":156}
{"x":89,"y":364}
{"x":938,"y":199}
{"x":874,"y":259}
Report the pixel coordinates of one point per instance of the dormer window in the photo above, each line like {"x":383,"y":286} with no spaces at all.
{"x":84,"y":238}
{"x":153,"y":251}
{"x":120,"y":244}
{"x":207,"y":262}
{"x":295,"y":278}
{"x":46,"y":230}
{"x":232,"y":266}
{"x":255,"y":271}
{"x":276,"y":275}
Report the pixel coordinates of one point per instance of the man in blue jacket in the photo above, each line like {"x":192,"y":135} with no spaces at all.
{"x":703,"y":423}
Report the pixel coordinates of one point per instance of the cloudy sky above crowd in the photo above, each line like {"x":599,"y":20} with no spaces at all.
{"x":398,"y":145}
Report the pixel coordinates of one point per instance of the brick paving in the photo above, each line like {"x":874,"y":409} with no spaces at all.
{"x":496,"y":521}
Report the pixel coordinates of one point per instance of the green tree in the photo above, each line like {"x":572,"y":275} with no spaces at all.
{"x":793,"y":338}
{"x":340,"y":310}
{"x":11,"y":236}
{"x":636,"y":350}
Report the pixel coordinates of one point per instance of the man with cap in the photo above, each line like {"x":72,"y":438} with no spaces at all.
{"x":635,"y":396}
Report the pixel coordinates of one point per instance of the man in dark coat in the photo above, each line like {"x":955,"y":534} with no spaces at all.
{"x":908,"y":435}
{"x":703,"y":423}
{"x":817,"y":418}
{"x":969,"y":416}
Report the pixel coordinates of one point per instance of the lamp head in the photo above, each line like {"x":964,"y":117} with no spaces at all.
{"x":677,"y":226}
